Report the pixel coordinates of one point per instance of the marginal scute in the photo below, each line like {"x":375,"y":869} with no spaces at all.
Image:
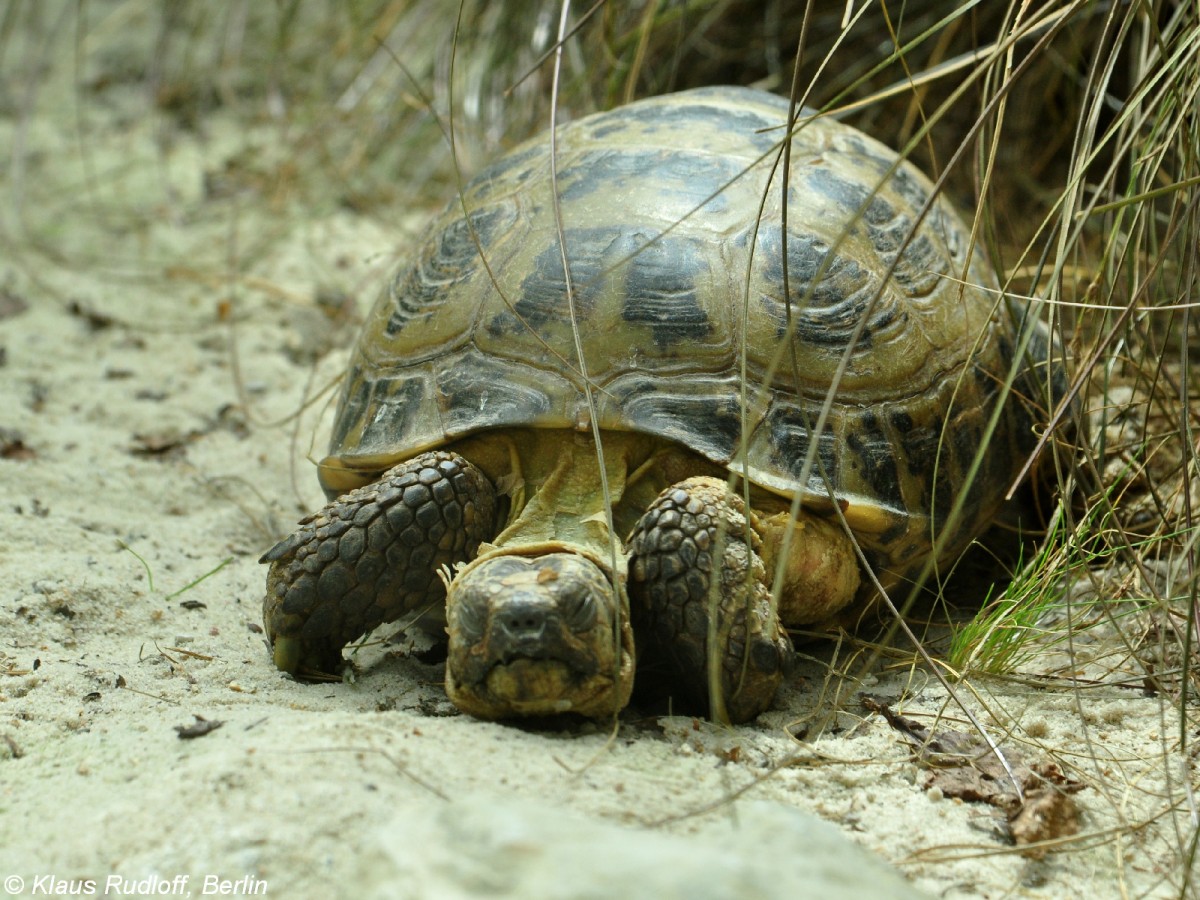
{"x":478,"y":392}
{"x":672,"y":211}
{"x":789,"y":431}
{"x":708,"y":422}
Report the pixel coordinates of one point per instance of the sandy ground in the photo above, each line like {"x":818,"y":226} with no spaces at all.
{"x":158,"y":331}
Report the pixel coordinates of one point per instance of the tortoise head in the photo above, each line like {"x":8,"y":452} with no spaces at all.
{"x":537,"y":635}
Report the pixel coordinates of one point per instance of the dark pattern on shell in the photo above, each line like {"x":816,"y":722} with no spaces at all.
{"x":385,"y":408}
{"x":906,"y":182}
{"x":918,"y":268}
{"x":917,"y":444}
{"x":874,"y":456}
{"x":480,"y":392}
{"x":828,"y":294}
{"x":451,"y":257}
{"x":936,"y":221}
{"x":694,"y":181}
{"x":543,"y":294}
{"x":699,"y":414}
{"x":655,"y":281}
{"x":791,"y":434}
{"x":661,"y":280}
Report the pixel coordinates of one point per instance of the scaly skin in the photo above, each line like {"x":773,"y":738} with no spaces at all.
{"x":694,"y":529}
{"x":372,"y":556}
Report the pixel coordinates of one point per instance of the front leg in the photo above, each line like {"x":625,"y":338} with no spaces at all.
{"x":371,"y":556}
{"x":695,"y":528}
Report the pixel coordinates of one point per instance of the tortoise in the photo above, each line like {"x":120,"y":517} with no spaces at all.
{"x":554,"y":464}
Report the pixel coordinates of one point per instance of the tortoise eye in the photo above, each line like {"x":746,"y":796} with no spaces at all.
{"x":577,"y":605}
{"x":469,"y":616}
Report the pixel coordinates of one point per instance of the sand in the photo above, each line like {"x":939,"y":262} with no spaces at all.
{"x":160,"y":332}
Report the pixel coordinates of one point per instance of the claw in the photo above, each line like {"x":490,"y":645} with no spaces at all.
{"x":286,"y":654}
{"x":284,"y":548}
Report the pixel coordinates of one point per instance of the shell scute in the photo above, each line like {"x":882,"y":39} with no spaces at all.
{"x":662,"y":290}
{"x":433,"y":282}
{"x":686,"y":184}
{"x":708,"y":419}
{"x":784,"y":440}
{"x":758,"y":130}
{"x":479,"y":392}
{"x":873,"y":454}
{"x":826,"y":294}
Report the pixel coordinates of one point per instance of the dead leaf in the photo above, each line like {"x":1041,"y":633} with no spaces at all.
{"x":164,"y":444}
{"x":1048,"y":813}
{"x":96,"y":321}
{"x":13,"y":446}
{"x":964,"y":766}
{"x":199,"y":728}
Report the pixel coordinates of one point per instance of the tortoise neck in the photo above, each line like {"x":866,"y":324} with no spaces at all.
{"x":564,"y":499}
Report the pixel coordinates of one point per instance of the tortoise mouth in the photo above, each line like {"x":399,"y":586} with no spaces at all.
{"x":580,"y":667}
{"x":532,"y":686}
{"x":528,"y":673}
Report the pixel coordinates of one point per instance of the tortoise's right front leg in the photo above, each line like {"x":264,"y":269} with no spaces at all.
{"x":373,"y":555}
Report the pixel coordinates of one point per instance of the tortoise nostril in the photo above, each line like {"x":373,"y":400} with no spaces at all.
{"x":523,"y":621}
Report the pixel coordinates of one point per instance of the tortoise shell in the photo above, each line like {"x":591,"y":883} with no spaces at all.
{"x":672,"y":214}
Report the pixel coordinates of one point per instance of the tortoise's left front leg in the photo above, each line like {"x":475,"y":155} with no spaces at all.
{"x":372,"y":556}
{"x":702,"y":567}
